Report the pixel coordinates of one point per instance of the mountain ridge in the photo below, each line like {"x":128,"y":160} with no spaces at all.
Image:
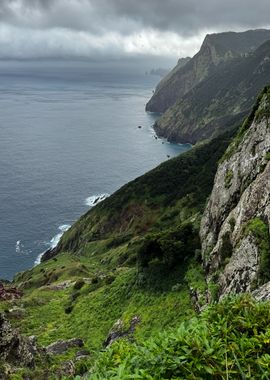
{"x":215,"y":49}
{"x":222,"y":99}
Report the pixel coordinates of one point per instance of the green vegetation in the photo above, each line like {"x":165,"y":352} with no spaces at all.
{"x":220,"y":101}
{"x":138,"y":255}
{"x":229,"y":340}
{"x":267,"y":156}
{"x":259,"y":229}
{"x":228,"y":179}
{"x":135,"y":254}
{"x":216,"y":48}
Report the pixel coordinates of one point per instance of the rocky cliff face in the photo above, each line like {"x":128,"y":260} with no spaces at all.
{"x":235,"y":225}
{"x":186,"y":75}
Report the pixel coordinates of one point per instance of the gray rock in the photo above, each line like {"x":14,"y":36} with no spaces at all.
{"x":67,"y":369}
{"x":240,"y":194}
{"x":119,"y":331}
{"x":61,"y":346}
{"x":262,"y":293}
{"x":15,"y":349}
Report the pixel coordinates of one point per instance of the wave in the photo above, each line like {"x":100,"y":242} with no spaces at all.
{"x":95,"y":199}
{"x":54,"y":241}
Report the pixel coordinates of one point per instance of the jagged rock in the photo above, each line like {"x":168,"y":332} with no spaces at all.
{"x":60,"y":286}
{"x":16,"y":312}
{"x":49,"y":254}
{"x":262,"y":293}
{"x":61,"y":346}
{"x":67,"y":369}
{"x":9,"y":292}
{"x":241,"y":194}
{"x":195,"y":299}
{"x":119,"y":331}
{"x":15,"y":349}
{"x":82,"y":355}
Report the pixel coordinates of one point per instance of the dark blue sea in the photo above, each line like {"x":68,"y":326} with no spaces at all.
{"x":68,"y":135}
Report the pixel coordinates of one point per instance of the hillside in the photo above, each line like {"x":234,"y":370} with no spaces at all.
{"x":229,"y":339}
{"x":219,"y":101}
{"x":132,"y":257}
{"x":216,"y":48}
{"x":142,"y":272}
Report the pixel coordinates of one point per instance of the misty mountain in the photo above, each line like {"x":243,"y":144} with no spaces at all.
{"x":216,"y":48}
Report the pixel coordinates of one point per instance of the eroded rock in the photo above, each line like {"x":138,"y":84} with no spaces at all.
{"x":62,"y":346}
{"x":239,"y":207}
{"x":119,"y":330}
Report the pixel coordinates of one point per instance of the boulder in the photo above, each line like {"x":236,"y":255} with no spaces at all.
{"x":119,"y":331}
{"x":61,"y":346}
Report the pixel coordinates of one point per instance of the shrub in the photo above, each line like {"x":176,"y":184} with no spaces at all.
{"x":79,"y":284}
{"x":229,"y":340}
{"x":228,"y":179}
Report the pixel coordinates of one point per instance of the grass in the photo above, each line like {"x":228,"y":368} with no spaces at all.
{"x":259,"y":230}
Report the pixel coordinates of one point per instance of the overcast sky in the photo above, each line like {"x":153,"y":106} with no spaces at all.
{"x":104,"y":29}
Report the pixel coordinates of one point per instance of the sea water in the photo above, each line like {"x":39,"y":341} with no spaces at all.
{"x":69,"y":137}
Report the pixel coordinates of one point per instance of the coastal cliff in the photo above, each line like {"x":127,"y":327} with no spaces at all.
{"x":216,"y":48}
{"x":218,"y":102}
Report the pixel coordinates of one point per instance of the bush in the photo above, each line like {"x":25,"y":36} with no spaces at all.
{"x":229,"y":340}
{"x":79,"y":284}
{"x":170,"y":247}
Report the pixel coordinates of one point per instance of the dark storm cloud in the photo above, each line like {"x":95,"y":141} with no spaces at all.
{"x":181,"y":16}
{"x":191,"y":16}
{"x":87,"y":27}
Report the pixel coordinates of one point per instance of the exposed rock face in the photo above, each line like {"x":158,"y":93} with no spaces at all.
{"x":187,"y":74}
{"x":16,"y":350}
{"x":262,"y":293}
{"x":235,"y":225}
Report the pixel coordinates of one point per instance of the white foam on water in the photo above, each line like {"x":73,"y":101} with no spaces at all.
{"x":18,"y":246}
{"x":54,"y":241}
{"x":95,"y":199}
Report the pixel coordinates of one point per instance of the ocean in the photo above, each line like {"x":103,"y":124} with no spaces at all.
{"x":69,"y":136}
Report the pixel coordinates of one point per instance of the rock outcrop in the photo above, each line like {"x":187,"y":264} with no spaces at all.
{"x":9,"y":292}
{"x":119,"y":330}
{"x":62,"y":346}
{"x":16,"y":350}
{"x":235,"y":225}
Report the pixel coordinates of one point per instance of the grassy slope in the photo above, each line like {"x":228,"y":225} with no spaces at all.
{"x":107,"y":248}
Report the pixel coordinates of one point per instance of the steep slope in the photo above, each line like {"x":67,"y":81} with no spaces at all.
{"x":235,"y":225}
{"x":223,"y":98}
{"x":126,"y":267}
{"x":131,"y":267}
{"x":215,"y":49}
{"x":229,"y":340}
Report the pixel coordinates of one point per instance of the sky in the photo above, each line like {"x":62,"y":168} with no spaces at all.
{"x":120,"y":29}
